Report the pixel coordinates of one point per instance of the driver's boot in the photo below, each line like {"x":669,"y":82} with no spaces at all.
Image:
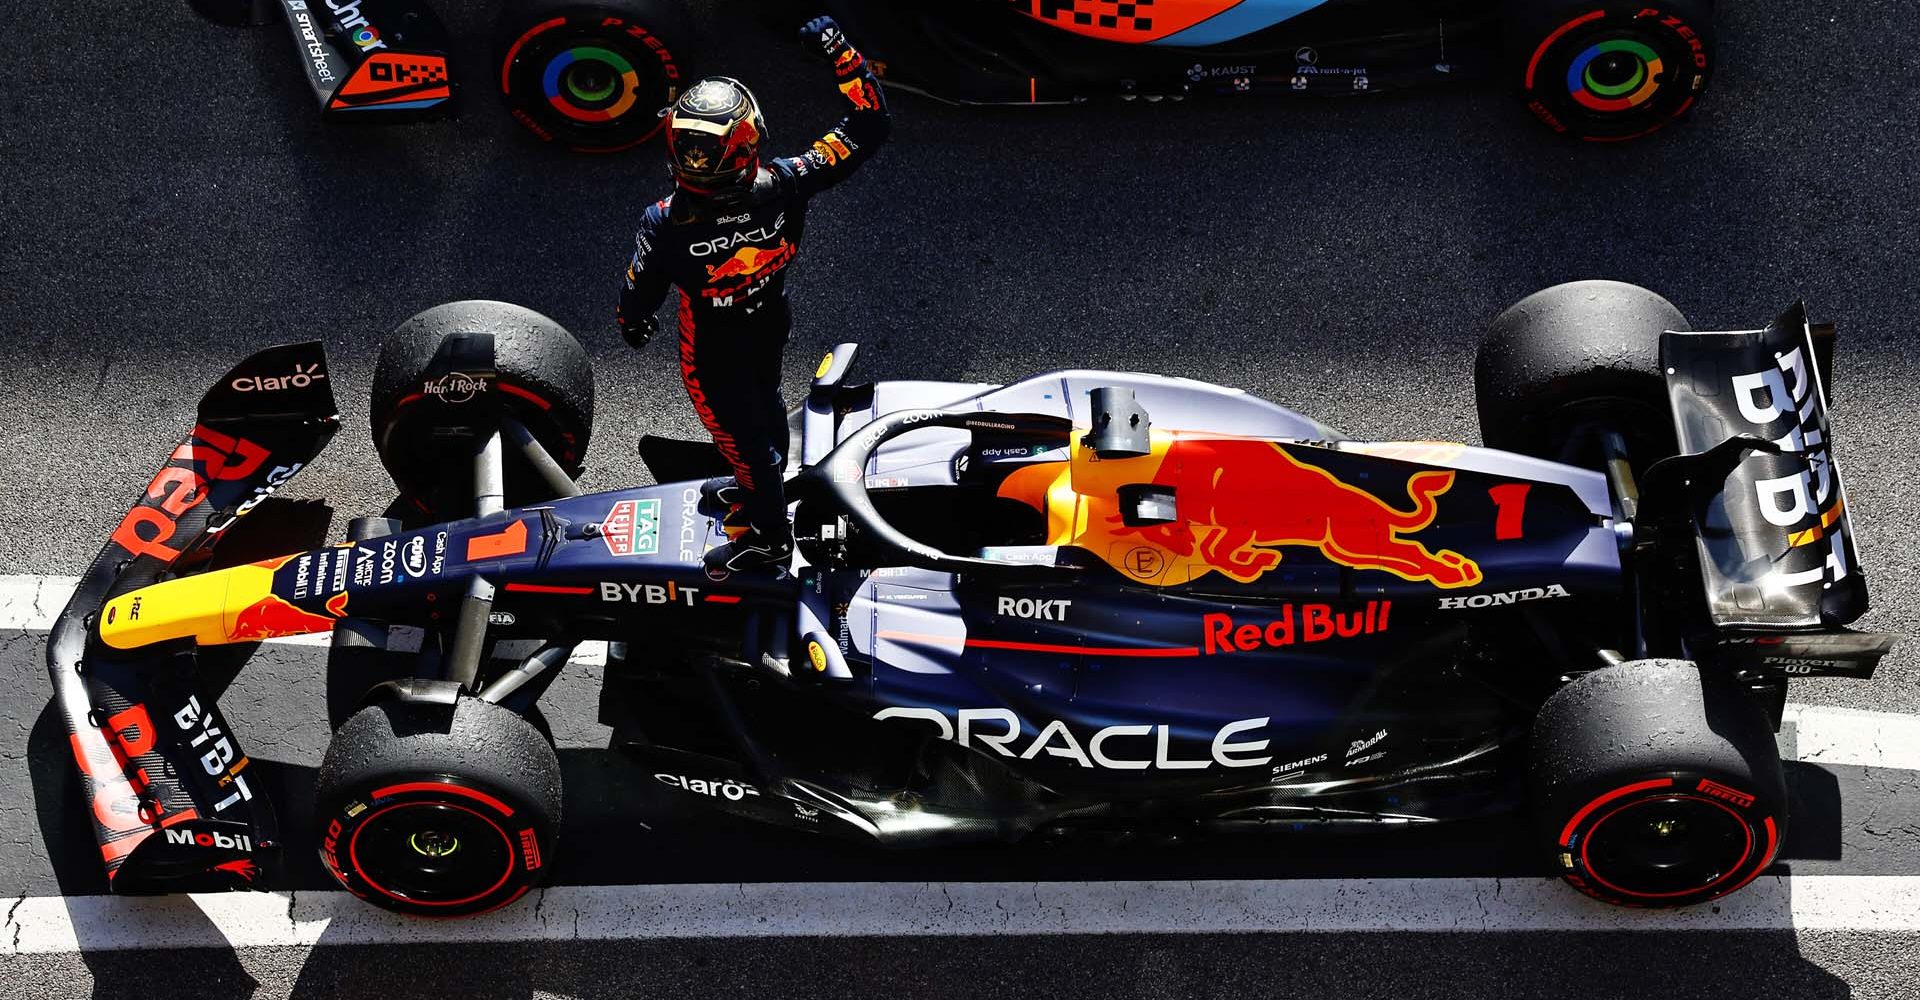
{"x":752,"y":549}
{"x":719,"y":495}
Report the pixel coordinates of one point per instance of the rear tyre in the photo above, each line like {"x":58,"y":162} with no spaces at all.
{"x":1610,"y":71}
{"x":591,"y":75}
{"x":435,"y":810}
{"x":1582,"y":353}
{"x":426,"y":424}
{"x":1657,"y":785}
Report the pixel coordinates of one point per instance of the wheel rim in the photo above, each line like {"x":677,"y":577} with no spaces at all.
{"x":432,"y":853}
{"x":1615,"y":75}
{"x":591,"y":83}
{"x":1666,"y":846}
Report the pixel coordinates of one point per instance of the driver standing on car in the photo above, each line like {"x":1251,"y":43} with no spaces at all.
{"x":725,"y":238}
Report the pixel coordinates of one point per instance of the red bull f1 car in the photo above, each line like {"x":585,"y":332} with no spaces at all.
{"x":593,"y":74}
{"x":1083,"y":602}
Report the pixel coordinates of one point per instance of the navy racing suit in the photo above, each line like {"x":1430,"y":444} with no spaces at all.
{"x":728,"y":260}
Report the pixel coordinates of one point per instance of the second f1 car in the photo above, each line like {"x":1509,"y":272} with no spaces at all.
{"x":1086,"y":601}
{"x":593,"y":74}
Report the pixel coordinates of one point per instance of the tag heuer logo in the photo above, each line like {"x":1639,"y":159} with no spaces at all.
{"x":632,"y":528}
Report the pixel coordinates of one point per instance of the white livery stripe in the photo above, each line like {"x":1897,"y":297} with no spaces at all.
{"x":947,"y":909}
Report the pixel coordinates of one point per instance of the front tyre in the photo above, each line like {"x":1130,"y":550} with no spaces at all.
{"x":1657,"y":785}
{"x":438,"y":811}
{"x":591,"y":75}
{"x":427,"y":413}
{"x":1606,"y":72}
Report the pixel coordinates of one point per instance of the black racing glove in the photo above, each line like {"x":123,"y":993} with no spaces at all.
{"x":639,"y":331}
{"x":823,"y":36}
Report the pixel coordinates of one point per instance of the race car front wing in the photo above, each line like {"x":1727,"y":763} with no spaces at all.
{"x":166,"y":782}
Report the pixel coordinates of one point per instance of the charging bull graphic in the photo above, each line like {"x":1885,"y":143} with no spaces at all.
{"x":749,"y":261}
{"x":272,"y":618}
{"x":1240,"y":503}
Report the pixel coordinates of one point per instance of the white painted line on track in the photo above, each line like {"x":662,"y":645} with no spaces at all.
{"x":41,"y":924}
{"x":1823,"y":735}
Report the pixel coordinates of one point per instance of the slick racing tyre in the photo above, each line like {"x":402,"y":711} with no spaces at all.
{"x":592,"y":75}
{"x":1579,"y":354}
{"x":435,"y":810}
{"x":1608,"y":71}
{"x":1655,"y":784}
{"x":445,"y":375}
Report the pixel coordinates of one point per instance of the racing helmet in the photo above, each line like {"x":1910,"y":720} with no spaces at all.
{"x":714,"y":133}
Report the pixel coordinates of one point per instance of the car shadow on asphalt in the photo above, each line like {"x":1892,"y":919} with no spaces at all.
{"x":623,"y":829}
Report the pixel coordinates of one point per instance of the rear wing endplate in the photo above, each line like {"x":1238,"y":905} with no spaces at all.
{"x":1775,"y":543}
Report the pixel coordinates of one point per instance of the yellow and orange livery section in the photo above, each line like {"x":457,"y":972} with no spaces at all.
{"x":1240,"y":501}
{"x":225,"y":606}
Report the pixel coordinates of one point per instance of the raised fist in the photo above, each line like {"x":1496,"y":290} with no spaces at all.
{"x":823,"y":35}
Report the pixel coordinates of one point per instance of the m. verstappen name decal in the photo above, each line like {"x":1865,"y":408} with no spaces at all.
{"x":1315,"y":623}
{"x":632,"y":528}
{"x":1099,"y":752}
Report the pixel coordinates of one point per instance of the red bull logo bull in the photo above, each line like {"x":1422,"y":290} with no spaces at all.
{"x":1241,"y":503}
{"x":272,"y":617}
{"x":742,"y":144}
{"x":750,"y":261}
{"x":860,"y":95}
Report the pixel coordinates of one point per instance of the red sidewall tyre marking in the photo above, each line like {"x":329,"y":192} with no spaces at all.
{"x":1675,"y":35}
{"x":442,"y":786}
{"x":1533,"y":65}
{"x":1566,"y":832}
{"x":1586,"y":842}
{"x":1773,"y":844}
{"x":513,"y":51}
{"x":606,"y":27}
{"x":353,"y":845}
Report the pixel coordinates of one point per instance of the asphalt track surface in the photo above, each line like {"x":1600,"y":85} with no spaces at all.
{"x":169,"y":203}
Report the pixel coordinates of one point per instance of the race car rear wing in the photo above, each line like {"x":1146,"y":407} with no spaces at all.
{"x":1775,"y":543}
{"x":164,"y":778}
